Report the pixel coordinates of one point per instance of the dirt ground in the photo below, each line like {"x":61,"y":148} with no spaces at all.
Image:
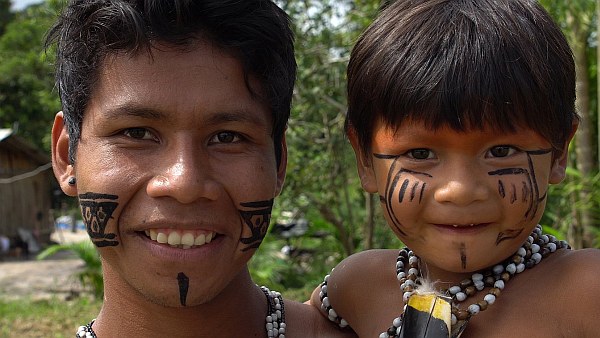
{"x":53,"y":277}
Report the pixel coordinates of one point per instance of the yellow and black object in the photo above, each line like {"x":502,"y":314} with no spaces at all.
{"x":427,"y":315}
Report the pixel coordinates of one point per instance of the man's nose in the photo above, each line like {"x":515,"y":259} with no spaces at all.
{"x":184,"y":174}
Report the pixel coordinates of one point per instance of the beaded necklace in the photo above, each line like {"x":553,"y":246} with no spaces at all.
{"x":274,"y":321}
{"x":536,"y":247}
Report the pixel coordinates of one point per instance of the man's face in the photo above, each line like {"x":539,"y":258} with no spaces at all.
{"x":176,"y":172}
{"x":463,"y":201}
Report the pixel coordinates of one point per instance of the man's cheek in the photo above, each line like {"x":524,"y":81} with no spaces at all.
{"x":255,"y":218}
{"x":97,"y":210}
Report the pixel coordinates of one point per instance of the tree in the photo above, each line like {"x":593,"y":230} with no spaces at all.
{"x":27,"y":99}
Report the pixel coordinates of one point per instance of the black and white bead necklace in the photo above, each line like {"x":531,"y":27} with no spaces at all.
{"x":274,"y":322}
{"x":536,"y":247}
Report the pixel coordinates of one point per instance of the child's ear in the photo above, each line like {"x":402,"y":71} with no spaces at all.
{"x":559,"y":164}
{"x":363,"y":163}
{"x":63,"y":169}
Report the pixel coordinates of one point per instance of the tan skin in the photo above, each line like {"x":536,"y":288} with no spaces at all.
{"x":177,"y":141}
{"x":461,"y":208}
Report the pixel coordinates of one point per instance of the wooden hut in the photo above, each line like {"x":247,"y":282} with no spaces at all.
{"x":25,"y":189}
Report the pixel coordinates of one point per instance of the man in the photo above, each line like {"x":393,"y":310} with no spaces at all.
{"x":172,"y":137}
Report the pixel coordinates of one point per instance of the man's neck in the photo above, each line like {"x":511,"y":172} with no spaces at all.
{"x":127,"y":313}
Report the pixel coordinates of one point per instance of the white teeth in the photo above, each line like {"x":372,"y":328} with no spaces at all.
{"x":176,"y":240}
{"x":162,"y":238}
{"x":200,"y":240}
{"x":187,"y":239}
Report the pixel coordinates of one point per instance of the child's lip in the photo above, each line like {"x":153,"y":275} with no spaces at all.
{"x":462,"y":227}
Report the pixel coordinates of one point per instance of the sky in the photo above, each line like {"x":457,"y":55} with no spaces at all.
{"x":20,"y":4}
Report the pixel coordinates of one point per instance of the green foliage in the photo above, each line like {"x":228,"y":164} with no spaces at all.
{"x":91,"y":275}
{"x":26,"y":76}
{"x":564,"y":203}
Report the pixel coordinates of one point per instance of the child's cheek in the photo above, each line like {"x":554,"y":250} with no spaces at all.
{"x":401,"y":197}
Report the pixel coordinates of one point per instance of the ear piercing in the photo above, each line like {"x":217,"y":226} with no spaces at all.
{"x":72,"y":180}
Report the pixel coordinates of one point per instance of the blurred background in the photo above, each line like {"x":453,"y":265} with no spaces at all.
{"x":48,"y":267}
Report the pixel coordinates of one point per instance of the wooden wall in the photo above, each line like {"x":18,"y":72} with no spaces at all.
{"x":24,"y":203}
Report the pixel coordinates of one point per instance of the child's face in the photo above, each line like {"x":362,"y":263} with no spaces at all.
{"x":462,"y":201}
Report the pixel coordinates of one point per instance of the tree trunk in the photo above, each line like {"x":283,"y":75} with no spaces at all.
{"x":583,"y":138}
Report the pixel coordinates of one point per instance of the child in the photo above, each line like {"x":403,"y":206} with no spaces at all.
{"x":460,"y":113}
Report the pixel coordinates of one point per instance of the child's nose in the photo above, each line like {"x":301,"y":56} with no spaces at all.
{"x":461,"y":187}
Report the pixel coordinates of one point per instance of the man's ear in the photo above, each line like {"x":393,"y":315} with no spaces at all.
{"x":363,"y":163}
{"x":559,"y":163}
{"x":63,"y":169}
{"x":281,"y":166}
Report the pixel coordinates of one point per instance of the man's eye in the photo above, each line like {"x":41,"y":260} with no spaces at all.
{"x":139,"y":133}
{"x":420,"y":154}
{"x":225,"y":137}
{"x":502,"y":151}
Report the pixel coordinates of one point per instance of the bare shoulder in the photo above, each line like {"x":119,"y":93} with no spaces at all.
{"x":572,"y":280}
{"x":305,"y":321}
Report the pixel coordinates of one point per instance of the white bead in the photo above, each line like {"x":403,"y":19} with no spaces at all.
{"x":535,"y":248}
{"x":522,"y":252}
{"x":89,"y":335}
{"x":477,"y":277}
{"x":332,"y":313}
{"x":269,"y":326}
{"x":479,"y":285}
{"x":384,"y":335}
{"x":511,"y":268}
{"x":545,"y":238}
{"x":413,"y":271}
{"x":473,"y":309}
{"x":454,"y":320}
{"x":489,"y":298}
{"x":499,"y":284}
{"x":401,"y":275}
{"x":283,"y":326}
{"x":530,"y":239}
{"x":397,"y":322}
{"x":399,"y":264}
{"x":454,"y":289}
{"x":325,"y":302}
{"x":324,"y":288}
{"x":413,"y":260}
{"x":520,"y":268}
{"x":536,"y":257}
{"x":326,"y":279}
{"x":551,"y":246}
{"x":461,"y":296}
{"x":343,"y":323}
{"x":406,"y":296}
{"x":498,"y":269}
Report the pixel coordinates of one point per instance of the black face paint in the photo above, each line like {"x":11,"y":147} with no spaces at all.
{"x":508,"y":234}
{"x":97,"y":210}
{"x":463,"y":255}
{"x":530,"y":188}
{"x":184,"y":284}
{"x":256,"y":216}
{"x":393,"y":178}
{"x":501,"y":190}
{"x":513,"y":194}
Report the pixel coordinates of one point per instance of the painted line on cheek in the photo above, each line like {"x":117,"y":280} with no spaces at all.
{"x":413,"y":191}
{"x":525,"y":192}
{"x":513,"y":195}
{"x":403,"y":190}
{"x":508,"y":234}
{"x":501,"y":189}
{"x":184,"y":283}
{"x":463,"y":255}
{"x":422,"y":191}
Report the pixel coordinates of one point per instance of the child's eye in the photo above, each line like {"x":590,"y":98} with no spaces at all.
{"x":501,"y":151}
{"x":420,"y":154}
{"x":225,"y":137}
{"x":139,"y":134}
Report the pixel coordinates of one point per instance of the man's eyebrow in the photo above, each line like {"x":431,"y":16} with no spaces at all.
{"x":129,"y":110}
{"x":241,"y":115}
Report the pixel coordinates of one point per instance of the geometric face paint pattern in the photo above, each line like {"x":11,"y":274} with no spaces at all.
{"x":256,"y":216}
{"x":97,"y":210}
{"x":406,"y":190}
